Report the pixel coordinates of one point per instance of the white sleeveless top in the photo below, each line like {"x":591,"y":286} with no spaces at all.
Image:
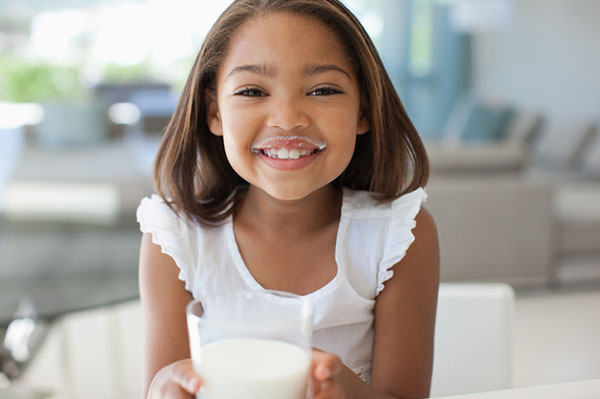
{"x":371,"y":238}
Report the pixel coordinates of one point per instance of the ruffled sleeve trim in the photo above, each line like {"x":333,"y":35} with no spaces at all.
{"x":165,"y":226}
{"x":400,"y":236}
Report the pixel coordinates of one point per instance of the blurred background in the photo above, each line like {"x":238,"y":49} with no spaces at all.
{"x":505,"y":94}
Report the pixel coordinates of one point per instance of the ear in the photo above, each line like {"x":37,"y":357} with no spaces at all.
{"x":364,"y":122}
{"x":213,"y":117}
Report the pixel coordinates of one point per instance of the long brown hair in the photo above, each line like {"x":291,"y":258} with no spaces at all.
{"x":191,"y":167}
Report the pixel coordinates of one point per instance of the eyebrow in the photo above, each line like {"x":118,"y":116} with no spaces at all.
{"x":259,"y":69}
{"x":316,"y":69}
{"x":270,"y":71}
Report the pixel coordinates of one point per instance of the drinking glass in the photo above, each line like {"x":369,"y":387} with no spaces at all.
{"x":251,"y":344}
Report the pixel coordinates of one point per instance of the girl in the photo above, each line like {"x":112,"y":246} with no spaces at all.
{"x":290,"y":164}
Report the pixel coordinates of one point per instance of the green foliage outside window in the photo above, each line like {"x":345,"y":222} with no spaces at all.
{"x":123,"y":74}
{"x":24,"y":80}
{"x":30,"y":81}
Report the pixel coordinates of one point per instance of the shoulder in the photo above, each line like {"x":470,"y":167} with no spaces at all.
{"x":421,"y":254}
{"x":364,"y":204}
{"x":378,"y":234}
{"x":425,"y":229}
{"x":420,"y":262}
{"x":160,"y":218}
{"x":166,"y":226}
{"x":423,"y":257}
{"x":411,"y":230}
{"x":391,"y":224}
{"x":172,"y":238}
{"x":155,"y":207}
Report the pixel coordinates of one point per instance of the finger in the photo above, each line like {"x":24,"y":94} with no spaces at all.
{"x":184,"y":375}
{"x":171,"y":391}
{"x":325,"y":365}
{"x":167,"y":389}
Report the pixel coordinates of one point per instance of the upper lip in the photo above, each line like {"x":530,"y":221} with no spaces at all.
{"x":289,"y":142}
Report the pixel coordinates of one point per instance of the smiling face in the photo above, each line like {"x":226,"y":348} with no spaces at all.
{"x":287,"y":105}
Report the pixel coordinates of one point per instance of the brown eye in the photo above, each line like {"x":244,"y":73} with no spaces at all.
{"x":324,"y":91}
{"x":250,"y":92}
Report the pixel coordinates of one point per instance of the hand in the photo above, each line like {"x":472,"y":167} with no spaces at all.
{"x":176,"y":381}
{"x":326,"y":372}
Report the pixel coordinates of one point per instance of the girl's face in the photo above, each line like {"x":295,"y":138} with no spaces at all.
{"x":287,"y":105}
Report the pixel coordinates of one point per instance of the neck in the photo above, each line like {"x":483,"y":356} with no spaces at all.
{"x":266,"y":214}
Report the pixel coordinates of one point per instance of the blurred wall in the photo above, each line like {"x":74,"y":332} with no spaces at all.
{"x":546,"y":60}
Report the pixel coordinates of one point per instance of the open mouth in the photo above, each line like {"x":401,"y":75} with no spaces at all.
{"x":288,"y":147}
{"x":286,"y":153}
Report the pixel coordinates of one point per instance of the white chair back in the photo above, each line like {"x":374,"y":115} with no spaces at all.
{"x":473,"y":338}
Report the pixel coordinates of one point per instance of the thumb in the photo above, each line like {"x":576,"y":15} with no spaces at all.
{"x":183,"y":374}
{"x":325,"y":365}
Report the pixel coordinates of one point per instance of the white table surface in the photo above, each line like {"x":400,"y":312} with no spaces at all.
{"x":587,"y":389}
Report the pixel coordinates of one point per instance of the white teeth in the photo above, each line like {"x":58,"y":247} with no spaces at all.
{"x":284,"y":153}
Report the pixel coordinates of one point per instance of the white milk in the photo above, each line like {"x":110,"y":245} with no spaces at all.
{"x":251,"y":368}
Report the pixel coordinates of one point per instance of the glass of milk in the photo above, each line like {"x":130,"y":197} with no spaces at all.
{"x":251,"y":344}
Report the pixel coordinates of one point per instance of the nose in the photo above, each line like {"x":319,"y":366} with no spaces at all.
{"x":288,"y":114}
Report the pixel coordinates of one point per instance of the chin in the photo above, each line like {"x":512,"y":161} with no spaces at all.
{"x":287,"y":195}
{"x":283,"y":192}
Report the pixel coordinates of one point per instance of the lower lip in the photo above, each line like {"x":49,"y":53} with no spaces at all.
{"x":289,"y":164}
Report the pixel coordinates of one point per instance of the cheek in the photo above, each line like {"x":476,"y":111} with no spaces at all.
{"x":237,"y":151}
{"x":343,"y":117}
{"x":232,"y":119}
{"x":237,"y":138}
{"x":240,"y":123}
{"x":342,"y":149}
{"x":340,"y":127}
{"x":349,"y":147}
{"x":238,"y":160}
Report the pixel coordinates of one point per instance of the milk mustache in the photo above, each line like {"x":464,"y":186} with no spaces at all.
{"x":252,"y":368}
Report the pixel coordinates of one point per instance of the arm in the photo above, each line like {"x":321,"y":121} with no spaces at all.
{"x":164,"y":298}
{"x":404,"y":329}
{"x":405,"y":318}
